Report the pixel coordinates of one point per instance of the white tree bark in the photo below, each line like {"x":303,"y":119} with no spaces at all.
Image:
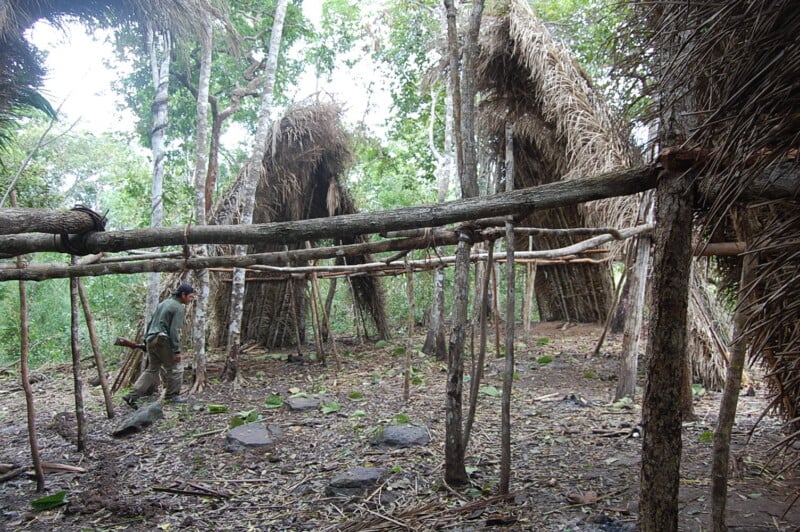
{"x":159,"y":47}
{"x":200,"y":171}
{"x":252,"y":172}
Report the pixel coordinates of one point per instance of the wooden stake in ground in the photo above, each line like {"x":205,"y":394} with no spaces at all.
{"x":25,"y":376}
{"x":508,"y":372}
{"x":80,"y":414}
{"x":661,"y":407}
{"x":409,"y":344}
{"x":730,"y":398}
{"x":98,"y":356}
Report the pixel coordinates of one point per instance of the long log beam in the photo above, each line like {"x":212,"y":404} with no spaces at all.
{"x":20,"y":220}
{"x":559,"y":194}
{"x":283,"y":259}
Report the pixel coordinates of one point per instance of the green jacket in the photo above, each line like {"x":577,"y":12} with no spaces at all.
{"x":167,"y":319}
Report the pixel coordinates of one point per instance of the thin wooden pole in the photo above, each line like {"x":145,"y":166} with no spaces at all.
{"x":410,"y":335}
{"x":508,"y":370}
{"x":98,"y":355}
{"x":730,"y":398}
{"x":25,"y":375}
{"x":80,"y":414}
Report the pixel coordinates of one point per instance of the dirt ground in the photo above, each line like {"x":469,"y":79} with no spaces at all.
{"x":575,"y":454}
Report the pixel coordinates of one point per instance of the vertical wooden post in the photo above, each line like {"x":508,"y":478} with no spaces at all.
{"x":661,"y":408}
{"x":98,"y":356}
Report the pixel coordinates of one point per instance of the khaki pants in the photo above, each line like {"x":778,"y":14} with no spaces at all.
{"x":160,"y":360}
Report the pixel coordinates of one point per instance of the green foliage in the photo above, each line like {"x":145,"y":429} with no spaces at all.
{"x":546,"y":359}
{"x":331,"y":407}
{"x":707,"y":436}
{"x":589,"y":374}
{"x":491,"y":391}
{"x":49,"y":502}
{"x":243,"y":417}
{"x":274,"y":401}
{"x":402,"y":418}
{"x":217,"y":409}
{"x":356,"y":396}
{"x":542,"y":341}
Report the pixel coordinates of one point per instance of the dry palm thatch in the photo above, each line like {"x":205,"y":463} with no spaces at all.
{"x":731,"y":70}
{"x":563,"y":129}
{"x":308,"y":153}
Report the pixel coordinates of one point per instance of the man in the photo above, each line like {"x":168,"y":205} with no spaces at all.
{"x":163,"y":339}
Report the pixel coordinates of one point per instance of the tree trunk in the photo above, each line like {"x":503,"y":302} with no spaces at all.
{"x":730,"y":399}
{"x":508,"y":373}
{"x":661,"y":408}
{"x":455,"y":468}
{"x":80,"y":413}
{"x":24,"y":374}
{"x":637,"y":289}
{"x":200,"y":172}
{"x":160,"y":49}
{"x":252,"y":173}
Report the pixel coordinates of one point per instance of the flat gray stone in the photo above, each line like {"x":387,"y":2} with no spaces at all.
{"x":302,"y":403}
{"x":255,"y":434}
{"x":355,"y":481}
{"x":401,"y":436}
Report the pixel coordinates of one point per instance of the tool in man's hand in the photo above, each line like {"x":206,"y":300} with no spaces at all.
{"x":124,"y":342}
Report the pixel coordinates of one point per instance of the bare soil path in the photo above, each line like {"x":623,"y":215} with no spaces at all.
{"x":576,"y":455}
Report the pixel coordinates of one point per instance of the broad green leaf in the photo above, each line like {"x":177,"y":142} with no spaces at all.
{"x":330,"y":408}
{"x":217,"y":409}
{"x":492,"y":391}
{"x":402,"y":418}
{"x":274,"y":401}
{"x":49,"y":502}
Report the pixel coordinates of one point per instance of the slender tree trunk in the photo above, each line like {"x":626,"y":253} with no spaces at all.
{"x":477,"y":373}
{"x":98,"y":355}
{"x":628,"y":360}
{"x":508,"y":371}
{"x":159,"y":47}
{"x":730,"y":399}
{"x":25,"y":374}
{"x":80,"y":414}
{"x":200,"y":173}
{"x":435,"y":342}
{"x":252,"y":173}
{"x":410,"y":333}
{"x":661,"y":408}
{"x":455,"y":469}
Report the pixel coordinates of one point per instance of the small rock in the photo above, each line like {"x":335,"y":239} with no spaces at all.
{"x":355,"y":482}
{"x":402,"y":436}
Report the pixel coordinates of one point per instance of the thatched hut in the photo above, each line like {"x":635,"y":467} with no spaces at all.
{"x":730,"y":69}
{"x":301,"y":178}
{"x":563,"y":129}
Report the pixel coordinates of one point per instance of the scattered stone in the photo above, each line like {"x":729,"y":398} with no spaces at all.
{"x":302,"y":403}
{"x":142,"y":418}
{"x":252,"y":435}
{"x":402,"y":436}
{"x":355,"y":482}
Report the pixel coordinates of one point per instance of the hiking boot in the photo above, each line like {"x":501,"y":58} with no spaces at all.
{"x":178,"y":400}
{"x":130,"y":401}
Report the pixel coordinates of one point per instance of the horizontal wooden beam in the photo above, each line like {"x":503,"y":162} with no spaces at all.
{"x":551,"y":195}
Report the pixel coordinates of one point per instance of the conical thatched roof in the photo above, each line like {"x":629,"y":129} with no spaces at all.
{"x":733,"y":68}
{"x":308,"y":153}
